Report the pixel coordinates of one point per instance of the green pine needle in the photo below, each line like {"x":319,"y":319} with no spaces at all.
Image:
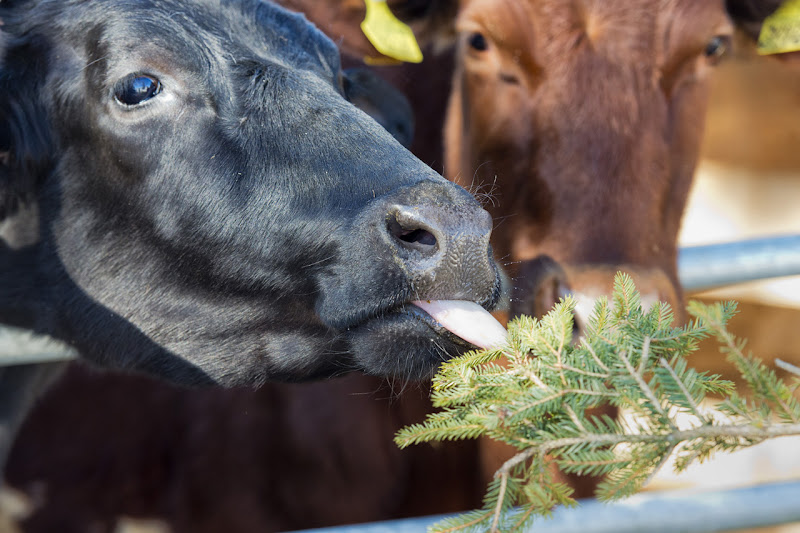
{"x":543,"y":401}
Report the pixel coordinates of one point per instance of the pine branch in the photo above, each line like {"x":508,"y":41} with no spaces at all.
{"x":631,"y":358}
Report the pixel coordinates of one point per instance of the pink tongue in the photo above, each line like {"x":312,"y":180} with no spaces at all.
{"x":467,"y":320}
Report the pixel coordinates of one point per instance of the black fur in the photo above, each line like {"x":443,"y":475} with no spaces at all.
{"x":240,"y":226}
{"x":749,"y":15}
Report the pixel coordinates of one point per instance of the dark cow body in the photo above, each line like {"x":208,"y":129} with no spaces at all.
{"x":211,"y":460}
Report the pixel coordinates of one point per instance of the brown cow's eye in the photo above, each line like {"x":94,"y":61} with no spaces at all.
{"x":134,"y":89}
{"x":478,"y":42}
{"x":717,"y":47}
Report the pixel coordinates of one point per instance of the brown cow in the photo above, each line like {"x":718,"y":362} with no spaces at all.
{"x":216,"y":437}
{"x":585,"y":118}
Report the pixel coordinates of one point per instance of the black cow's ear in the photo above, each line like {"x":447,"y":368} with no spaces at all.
{"x":382,"y":101}
{"x":24,"y":137}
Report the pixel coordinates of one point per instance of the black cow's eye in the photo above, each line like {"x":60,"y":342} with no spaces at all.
{"x":477,"y":41}
{"x":717,"y":47}
{"x":134,"y":89}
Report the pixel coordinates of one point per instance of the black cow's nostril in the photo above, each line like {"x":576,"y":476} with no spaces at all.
{"x":411,"y":233}
{"x":437,"y":239}
{"x":419,"y":236}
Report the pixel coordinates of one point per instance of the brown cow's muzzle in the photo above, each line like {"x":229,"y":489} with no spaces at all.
{"x":541,"y":282}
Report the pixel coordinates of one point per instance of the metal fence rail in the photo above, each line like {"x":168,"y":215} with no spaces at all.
{"x":653,"y":512}
{"x":717,"y":265}
{"x":19,"y":346}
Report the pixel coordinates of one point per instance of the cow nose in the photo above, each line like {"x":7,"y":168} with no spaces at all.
{"x":541,"y":282}
{"x":444,"y":249}
{"x":413,"y":230}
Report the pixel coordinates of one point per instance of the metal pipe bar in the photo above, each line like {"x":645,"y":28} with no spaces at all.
{"x":717,"y":265}
{"x":19,"y":346}
{"x":654,"y":512}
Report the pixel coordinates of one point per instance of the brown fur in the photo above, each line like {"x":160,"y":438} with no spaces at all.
{"x":586,"y":117}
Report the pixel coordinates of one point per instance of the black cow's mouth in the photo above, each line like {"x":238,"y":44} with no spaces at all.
{"x":417,"y":313}
{"x":408,"y":341}
{"x":467,"y":320}
{"x":462,"y":322}
{"x":412,"y":313}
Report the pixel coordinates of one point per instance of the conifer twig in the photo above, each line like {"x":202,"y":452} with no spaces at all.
{"x":498,"y":508}
{"x":695,"y":408}
{"x":744,"y":431}
{"x":542,"y":403}
{"x":642,"y":385}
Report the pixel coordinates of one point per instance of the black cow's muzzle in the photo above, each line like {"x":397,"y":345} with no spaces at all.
{"x":427,"y":245}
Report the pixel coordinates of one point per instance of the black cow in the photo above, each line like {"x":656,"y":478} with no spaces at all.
{"x":210,"y":208}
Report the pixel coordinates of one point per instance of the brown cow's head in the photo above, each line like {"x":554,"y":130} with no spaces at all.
{"x":584,"y":119}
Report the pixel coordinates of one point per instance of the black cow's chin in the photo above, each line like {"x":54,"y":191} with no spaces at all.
{"x":406,"y":343}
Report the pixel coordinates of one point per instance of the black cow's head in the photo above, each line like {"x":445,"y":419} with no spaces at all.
{"x":210,"y":206}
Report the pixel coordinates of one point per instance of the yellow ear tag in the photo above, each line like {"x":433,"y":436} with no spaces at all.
{"x":388,"y":35}
{"x":382,"y":61}
{"x":781,"y":30}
